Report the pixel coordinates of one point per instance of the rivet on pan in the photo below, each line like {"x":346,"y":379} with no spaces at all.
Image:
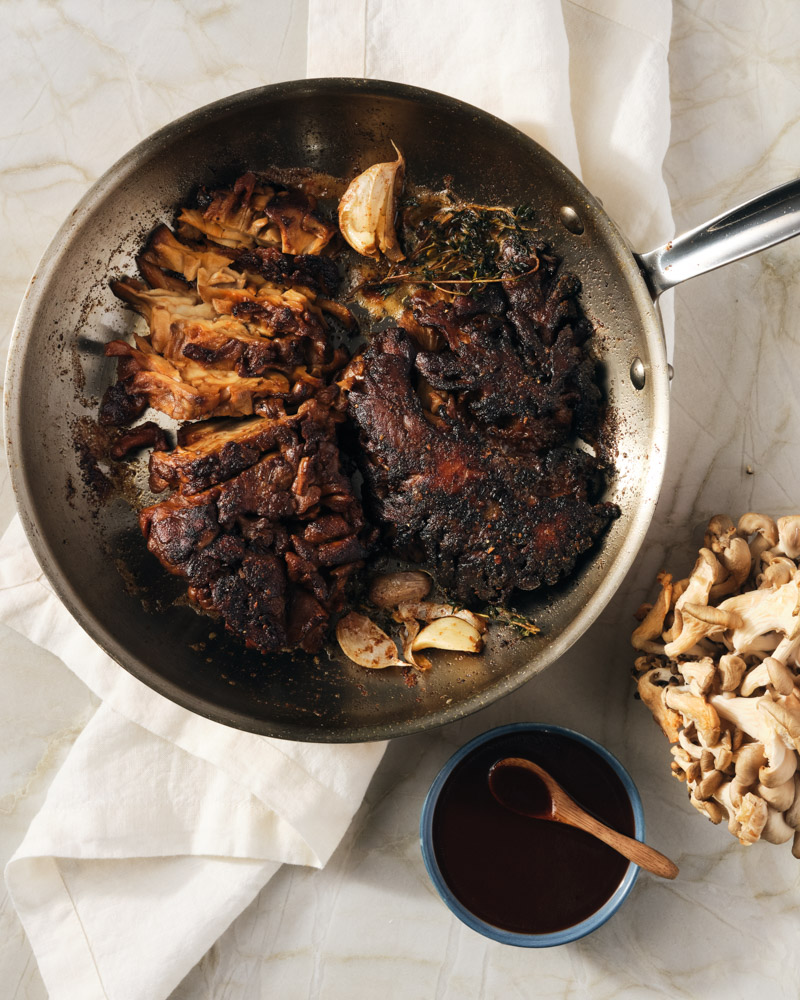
{"x":637,"y":373}
{"x":570,"y":219}
{"x":670,"y":372}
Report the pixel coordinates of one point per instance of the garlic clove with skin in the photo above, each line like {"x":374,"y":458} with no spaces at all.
{"x":363,"y":642}
{"x":391,"y":589}
{"x":368,"y":208}
{"x":449,"y":633}
{"x":428,"y":611}
{"x":411,"y":629}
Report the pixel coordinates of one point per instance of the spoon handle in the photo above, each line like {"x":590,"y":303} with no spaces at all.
{"x":634,"y":850}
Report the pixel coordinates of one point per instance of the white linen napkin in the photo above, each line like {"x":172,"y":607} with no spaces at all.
{"x":162,"y":826}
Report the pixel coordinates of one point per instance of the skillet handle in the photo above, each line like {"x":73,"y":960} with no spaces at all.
{"x":757,"y":224}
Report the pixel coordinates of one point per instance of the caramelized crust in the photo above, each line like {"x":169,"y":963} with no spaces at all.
{"x":253,"y":214}
{"x":273,"y":544}
{"x":263,"y":524}
{"x":232,"y":322}
{"x":319,"y":274}
{"x":185,"y":389}
{"x":468,"y":454}
{"x":146,"y":435}
{"x":212,"y":451}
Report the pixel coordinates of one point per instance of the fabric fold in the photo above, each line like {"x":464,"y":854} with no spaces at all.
{"x":95,"y":928}
{"x":489,"y":55}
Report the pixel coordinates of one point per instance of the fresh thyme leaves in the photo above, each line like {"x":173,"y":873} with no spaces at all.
{"x":524,"y":213}
{"x":460,"y":248}
{"x":513,"y":618}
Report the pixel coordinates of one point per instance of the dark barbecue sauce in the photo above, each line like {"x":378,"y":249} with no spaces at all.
{"x":526,"y":875}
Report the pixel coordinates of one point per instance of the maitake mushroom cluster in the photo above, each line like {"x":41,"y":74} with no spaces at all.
{"x":719,"y":672}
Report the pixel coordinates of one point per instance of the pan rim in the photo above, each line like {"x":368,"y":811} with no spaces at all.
{"x":25,"y":500}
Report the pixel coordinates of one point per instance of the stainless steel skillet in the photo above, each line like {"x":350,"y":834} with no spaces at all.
{"x":84,"y":531}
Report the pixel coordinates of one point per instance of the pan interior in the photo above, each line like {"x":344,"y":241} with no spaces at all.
{"x":85,"y":533}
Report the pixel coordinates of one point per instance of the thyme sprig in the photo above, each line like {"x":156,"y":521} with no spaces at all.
{"x":506,"y":616}
{"x":459,"y":248}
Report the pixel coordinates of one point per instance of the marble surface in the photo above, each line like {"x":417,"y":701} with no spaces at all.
{"x":370,"y":923}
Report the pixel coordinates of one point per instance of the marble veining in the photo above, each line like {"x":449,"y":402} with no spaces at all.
{"x":78,"y":93}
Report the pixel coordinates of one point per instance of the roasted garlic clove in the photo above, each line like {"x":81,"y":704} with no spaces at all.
{"x":363,"y":642}
{"x":449,"y":633}
{"x":410,"y":632}
{"x":390,"y":589}
{"x":427,"y":611}
{"x":368,"y":208}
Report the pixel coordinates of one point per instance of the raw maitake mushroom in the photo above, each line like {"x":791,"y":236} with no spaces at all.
{"x":720,"y":672}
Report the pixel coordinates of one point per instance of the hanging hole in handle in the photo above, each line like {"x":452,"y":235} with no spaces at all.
{"x":570,"y":220}
{"x":638,"y":375}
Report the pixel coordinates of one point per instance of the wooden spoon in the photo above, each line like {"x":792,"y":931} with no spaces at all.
{"x":525,"y":788}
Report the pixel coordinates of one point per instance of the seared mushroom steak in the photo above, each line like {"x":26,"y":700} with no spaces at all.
{"x":263,"y":524}
{"x":253,"y":214}
{"x":271,"y":545}
{"x":468,"y":453}
{"x":220,"y":339}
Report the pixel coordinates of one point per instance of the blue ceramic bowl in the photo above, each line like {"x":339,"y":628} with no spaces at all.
{"x":528,"y":940}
